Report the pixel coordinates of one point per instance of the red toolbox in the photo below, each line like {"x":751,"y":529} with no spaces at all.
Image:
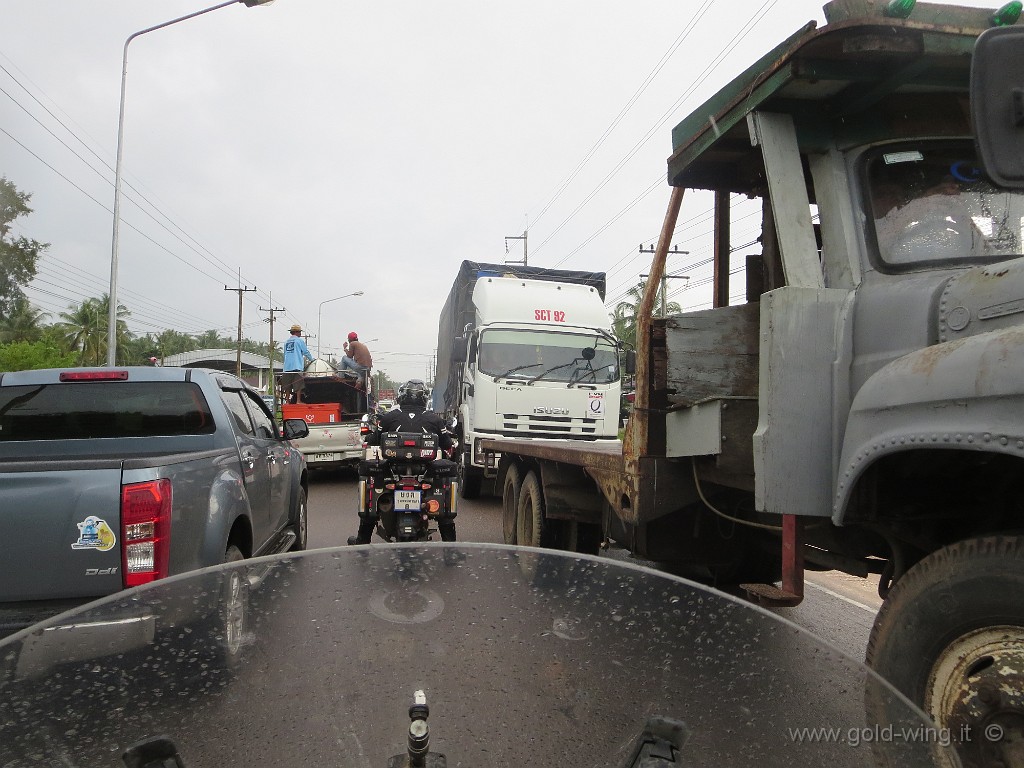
{"x":313,"y":414}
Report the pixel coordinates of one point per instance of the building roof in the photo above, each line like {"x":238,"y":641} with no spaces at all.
{"x":220,"y":359}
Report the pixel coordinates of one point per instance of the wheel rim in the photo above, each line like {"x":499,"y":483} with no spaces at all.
{"x":976,"y":691}
{"x":234,"y":614}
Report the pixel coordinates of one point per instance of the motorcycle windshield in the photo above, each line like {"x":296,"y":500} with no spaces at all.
{"x":526,"y":657}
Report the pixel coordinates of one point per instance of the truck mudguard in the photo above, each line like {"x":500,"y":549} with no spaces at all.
{"x":963,"y":394}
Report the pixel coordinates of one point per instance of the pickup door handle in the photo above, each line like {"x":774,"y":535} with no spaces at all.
{"x":249,"y":458}
{"x":271,"y":458}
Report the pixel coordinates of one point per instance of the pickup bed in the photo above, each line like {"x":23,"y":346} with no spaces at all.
{"x":111,"y":478}
{"x":332,"y":406}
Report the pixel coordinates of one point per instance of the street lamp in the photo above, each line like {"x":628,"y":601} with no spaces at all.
{"x":328,"y":301}
{"x":112,"y":317}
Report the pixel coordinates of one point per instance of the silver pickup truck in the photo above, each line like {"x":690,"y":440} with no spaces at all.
{"x":115,"y":477}
{"x":332,"y":405}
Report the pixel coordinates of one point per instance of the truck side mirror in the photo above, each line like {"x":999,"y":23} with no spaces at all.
{"x":459,"y":350}
{"x":294,"y":429}
{"x":629,"y":361}
{"x":997,"y":104}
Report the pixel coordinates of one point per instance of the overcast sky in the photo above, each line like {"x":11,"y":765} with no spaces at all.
{"x":323,"y":147}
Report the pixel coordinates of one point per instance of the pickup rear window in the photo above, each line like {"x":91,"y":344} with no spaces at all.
{"x":84,"y":410}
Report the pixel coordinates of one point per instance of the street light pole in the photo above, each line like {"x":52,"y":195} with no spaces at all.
{"x":112,"y":316}
{"x":328,"y":301}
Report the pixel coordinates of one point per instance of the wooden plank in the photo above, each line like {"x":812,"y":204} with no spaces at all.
{"x":712,"y":353}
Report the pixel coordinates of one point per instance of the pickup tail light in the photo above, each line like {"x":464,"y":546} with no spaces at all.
{"x":145,"y":531}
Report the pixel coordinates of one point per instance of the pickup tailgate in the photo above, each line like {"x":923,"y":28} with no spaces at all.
{"x":61,"y":530}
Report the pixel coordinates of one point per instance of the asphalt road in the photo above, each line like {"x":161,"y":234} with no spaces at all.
{"x":837,"y":607}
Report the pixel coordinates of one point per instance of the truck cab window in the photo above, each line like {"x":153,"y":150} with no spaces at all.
{"x":931,"y":204}
{"x":556,"y":356}
{"x":264,"y":424}
{"x":239,"y":415}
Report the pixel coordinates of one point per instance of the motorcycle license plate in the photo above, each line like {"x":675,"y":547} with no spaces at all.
{"x":407,"y":500}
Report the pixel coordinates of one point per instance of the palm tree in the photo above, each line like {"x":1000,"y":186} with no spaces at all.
{"x":624,"y":316}
{"x":25,"y":322}
{"x":84,"y":329}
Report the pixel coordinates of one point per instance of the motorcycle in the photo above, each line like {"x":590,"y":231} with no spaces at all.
{"x":523,"y":657}
{"x":411,"y":487}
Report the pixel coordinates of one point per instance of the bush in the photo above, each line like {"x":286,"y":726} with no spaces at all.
{"x":31,"y":355}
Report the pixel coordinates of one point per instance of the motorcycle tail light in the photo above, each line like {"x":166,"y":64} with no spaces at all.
{"x":145,"y":531}
{"x":408,"y":443}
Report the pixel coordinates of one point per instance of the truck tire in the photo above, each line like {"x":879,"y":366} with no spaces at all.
{"x":510,"y":503}
{"x":532,"y":529}
{"x":232,"y":613}
{"x":470,"y":478}
{"x":300,"y":521}
{"x":950,"y":636}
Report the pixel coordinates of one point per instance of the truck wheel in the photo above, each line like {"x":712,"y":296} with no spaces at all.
{"x":300,"y":521}
{"x":470,"y":479}
{"x":532,"y":529}
{"x":232,"y":612}
{"x":950,"y":636}
{"x":510,"y":503}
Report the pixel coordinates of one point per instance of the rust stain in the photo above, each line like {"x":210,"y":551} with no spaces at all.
{"x":925,"y":361}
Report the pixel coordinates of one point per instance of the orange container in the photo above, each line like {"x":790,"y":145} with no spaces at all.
{"x":329,"y":413}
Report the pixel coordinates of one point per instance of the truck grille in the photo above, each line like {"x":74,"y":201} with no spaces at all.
{"x":537,"y":425}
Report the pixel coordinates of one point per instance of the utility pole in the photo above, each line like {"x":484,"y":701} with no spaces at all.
{"x":517,"y":237}
{"x":238,"y":358}
{"x":272,"y":310}
{"x":664,"y":276}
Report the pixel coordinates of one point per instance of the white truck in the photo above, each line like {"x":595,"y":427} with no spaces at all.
{"x":525,"y":352}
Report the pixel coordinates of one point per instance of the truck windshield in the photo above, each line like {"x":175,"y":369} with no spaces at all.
{"x":534,"y":352}
{"x":932,"y":205}
{"x":86,"y":410}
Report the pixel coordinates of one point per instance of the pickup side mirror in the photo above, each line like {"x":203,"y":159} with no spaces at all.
{"x":294,"y":429}
{"x":629,"y":361}
{"x":459,"y":350}
{"x":997,"y":104}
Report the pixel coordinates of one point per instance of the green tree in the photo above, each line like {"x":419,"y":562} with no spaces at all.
{"x":24,"y":323}
{"x":84,"y":331}
{"x":213,"y":340}
{"x":625,"y":314}
{"x":18,"y":255}
{"x":31,"y":355}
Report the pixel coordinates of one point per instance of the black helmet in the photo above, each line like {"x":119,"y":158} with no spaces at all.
{"x":413,"y":393}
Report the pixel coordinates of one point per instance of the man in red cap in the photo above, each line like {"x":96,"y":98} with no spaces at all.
{"x":357,"y":356}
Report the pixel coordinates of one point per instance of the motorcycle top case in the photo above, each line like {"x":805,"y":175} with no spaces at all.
{"x":408,"y":445}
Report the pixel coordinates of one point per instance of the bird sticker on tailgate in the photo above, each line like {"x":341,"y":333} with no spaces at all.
{"x":94,"y":533}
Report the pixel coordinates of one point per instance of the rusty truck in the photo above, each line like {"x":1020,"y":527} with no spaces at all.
{"x":863,"y":409}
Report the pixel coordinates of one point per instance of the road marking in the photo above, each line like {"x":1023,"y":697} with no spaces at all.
{"x":844,"y":598}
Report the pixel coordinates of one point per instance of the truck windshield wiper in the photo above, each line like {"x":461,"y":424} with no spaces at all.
{"x":542,"y":374}
{"x":510,"y":371}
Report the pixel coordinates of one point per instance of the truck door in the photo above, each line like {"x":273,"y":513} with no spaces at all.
{"x":277,"y":458}
{"x":256,"y":465}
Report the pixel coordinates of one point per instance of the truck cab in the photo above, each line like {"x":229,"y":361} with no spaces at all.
{"x":533,"y":358}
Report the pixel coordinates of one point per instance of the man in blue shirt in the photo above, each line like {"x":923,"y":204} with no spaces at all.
{"x":295,"y":354}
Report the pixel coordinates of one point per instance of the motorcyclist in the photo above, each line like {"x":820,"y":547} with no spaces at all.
{"x":411,"y":415}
